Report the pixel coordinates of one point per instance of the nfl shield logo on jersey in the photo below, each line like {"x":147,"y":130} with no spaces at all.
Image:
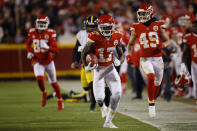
{"x":155,"y":28}
{"x":46,"y":36}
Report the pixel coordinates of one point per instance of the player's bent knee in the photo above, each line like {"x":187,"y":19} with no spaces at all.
{"x":39,"y":78}
{"x":99,"y":101}
{"x":157,"y":83}
{"x":116,"y":96}
{"x":114,"y":101}
{"x":151,"y":77}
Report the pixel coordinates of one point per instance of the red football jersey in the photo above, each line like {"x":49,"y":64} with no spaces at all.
{"x":191,"y":40}
{"x":149,"y":39}
{"x":103,"y":47}
{"x":49,"y":37}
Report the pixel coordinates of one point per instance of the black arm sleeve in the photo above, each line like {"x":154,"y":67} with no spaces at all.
{"x":123,"y":48}
{"x":76,"y":54}
{"x":186,"y":58}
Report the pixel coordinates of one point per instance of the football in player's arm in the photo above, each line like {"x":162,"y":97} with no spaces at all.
{"x":102,"y":43}
{"x":41,"y":56}
{"x":151,"y":36}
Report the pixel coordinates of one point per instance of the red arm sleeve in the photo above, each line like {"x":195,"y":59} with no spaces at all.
{"x":53,"y":43}
{"x":53,"y":46}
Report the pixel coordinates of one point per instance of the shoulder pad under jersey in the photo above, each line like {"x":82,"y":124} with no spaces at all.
{"x":188,"y":34}
{"x":116,"y":31}
{"x":51,"y":30}
{"x":32,"y":30}
{"x":132,"y":26}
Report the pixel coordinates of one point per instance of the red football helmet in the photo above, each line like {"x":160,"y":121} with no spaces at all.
{"x":42,"y":22}
{"x":144,"y":13}
{"x":184,"y":20}
{"x":106,"y":25}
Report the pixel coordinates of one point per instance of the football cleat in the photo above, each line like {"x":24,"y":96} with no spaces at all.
{"x":109,"y":125}
{"x":44,"y":99}
{"x":104,"y":111}
{"x":60,"y":105}
{"x":152,"y":112}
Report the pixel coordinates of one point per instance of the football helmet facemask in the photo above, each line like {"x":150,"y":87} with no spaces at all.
{"x":91,"y":23}
{"x":106,"y":25}
{"x":144,"y":13}
{"x":42,"y":22}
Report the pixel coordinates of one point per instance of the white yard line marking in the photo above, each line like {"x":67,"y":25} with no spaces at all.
{"x":167,"y":112}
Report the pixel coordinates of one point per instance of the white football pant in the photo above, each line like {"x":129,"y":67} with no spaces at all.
{"x":49,"y":69}
{"x":153,"y":65}
{"x":176,"y":62}
{"x":194,"y":78}
{"x":109,"y":75}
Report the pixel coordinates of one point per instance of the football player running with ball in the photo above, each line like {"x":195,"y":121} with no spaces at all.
{"x":41,"y":56}
{"x":102,"y":43}
{"x":149,"y":33}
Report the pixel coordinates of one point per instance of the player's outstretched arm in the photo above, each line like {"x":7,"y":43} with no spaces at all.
{"x":53,"y":45}
{"x":120,"y":53}
{"x":89,"y":47}
{"x":164,"y":37}
{"x":76,"y":56}
{"x":130,"y":46}
{"x":186,"y":53}
{"x":131,"y":42}
{"x":29,"y":49}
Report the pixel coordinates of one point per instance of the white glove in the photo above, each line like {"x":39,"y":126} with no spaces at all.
{"x":44,"y":46}
{"x":89,"y":68}
{"x":30,"y":55}
{"x":116,"y":62}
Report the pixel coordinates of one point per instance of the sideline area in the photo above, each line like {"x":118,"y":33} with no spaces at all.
{"x":171,"y":116}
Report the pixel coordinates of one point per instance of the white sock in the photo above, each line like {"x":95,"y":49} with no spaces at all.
{"x":110,"y":116}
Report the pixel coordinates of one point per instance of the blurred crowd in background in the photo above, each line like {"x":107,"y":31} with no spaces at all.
{"x":66,"y":16}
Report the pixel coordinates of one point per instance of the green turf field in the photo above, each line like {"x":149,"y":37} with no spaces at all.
{"x":20,"y":110}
